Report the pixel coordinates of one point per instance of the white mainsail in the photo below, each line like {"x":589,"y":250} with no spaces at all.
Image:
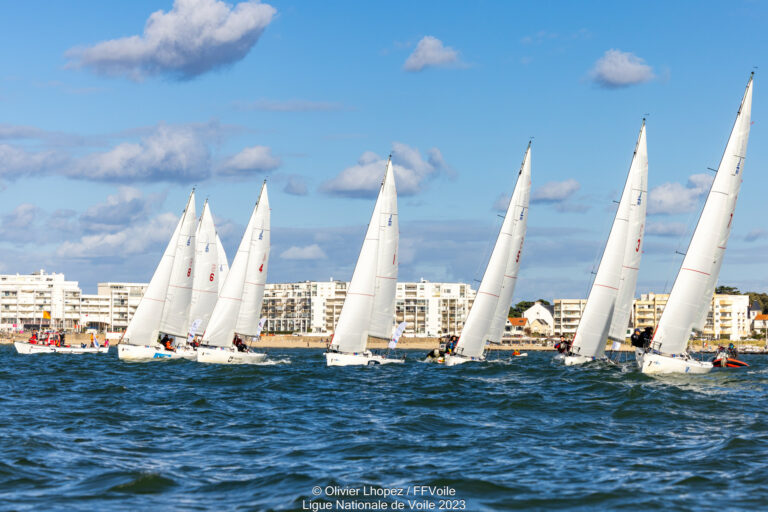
{"x":692,"y":292}
{"x":592,"y":331}
{"x":373,"y":285}
{"x":633,"y":251}
{"x":228,"y":308}
{"x":206,"y":274}
{"x":145,"y":323}
{"x":256,"y":272}
{"x":175,"y":319}
{"x":484,"y":320}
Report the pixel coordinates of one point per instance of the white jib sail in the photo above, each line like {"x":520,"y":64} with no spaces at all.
{"x":256,"y":271}
{"x":592,"y":331}
{"x":175,"y":319}
{"x":691,"y":294}
{"x":477,"y":329}
{"x":518,"y":208}
{"x":633,"y":251}
{"x":206,"y":275}
{"x":223,"y":263}
{"x":353,"y":327}
{"x":383,"y":311}
{"x":145,"y":323}
{"x":221,"y":326}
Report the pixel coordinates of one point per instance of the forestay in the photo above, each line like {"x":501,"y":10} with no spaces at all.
{"x":175,"y":319}
{"x":221,"y":326}
{"x":484,"y":322}
{"x":144,"y":325}
{"x":691,"y":294}
{"x":356,"y":320}
{"x":592,"y":331}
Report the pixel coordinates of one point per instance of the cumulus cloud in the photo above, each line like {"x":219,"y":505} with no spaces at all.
{"x":412,"y":172}
{"x":555,"y":191}
{"x":670,"y":229}
{"x":430,"y":52}
{"x":671,"y":198}
{"x":618,"y":69}
{"x":127,"y":206}
{"x":30,"y":224}
{"x":309,"y":252}
{"x":296,"y":186}
{"x":194,"y":37}
{"x":265,"y":105}
{"x":130,"y":240}
{"x":17,"y":162}
{"x":255,"y":159}
{"x":170,"y":153}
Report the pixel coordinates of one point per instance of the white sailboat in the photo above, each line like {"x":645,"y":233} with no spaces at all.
{"x":163,"y":308}
{"x":606,"y":314}
{"x":488,"y":316}
{"x":238,"y":308}
{"x":368,"y":308}
{"x":207,"y":273}
{"x":691,"y":295}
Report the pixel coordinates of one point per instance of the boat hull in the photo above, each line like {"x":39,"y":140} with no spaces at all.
{"x":574,"y":360}
{"x":218,"y":355}
{"x":23,"y":347}
{"x":456,"y":359}
{"x":656,"y":364}
{"x":143,"y":353}
{"x":361,"y":359}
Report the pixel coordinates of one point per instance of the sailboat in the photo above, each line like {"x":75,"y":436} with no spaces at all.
{"x":488,"y":316}
{"x":369,"y":306}
{"x":164,"y":306}
{"x":691,"y":295}
{"x":606,"y":314}
{"x":238,"y":308}
{"x":208,"y":274}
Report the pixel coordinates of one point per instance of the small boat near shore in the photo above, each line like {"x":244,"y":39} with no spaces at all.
{"x":24,"y":347}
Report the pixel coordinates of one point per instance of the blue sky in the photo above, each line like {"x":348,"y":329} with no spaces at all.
{"x":108,"y":120}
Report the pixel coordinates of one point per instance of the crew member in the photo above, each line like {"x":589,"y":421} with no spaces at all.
{"x":637,"y":339}
{"x":166,"y":343}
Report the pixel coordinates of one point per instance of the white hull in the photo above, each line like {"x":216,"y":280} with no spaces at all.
{"x":454,"y":359}
{"x":573,"y":360}
{"x":23,"y":347}
{"x":662,"y":364}
{"x":148,"y":353}
{"x":228,"y":356}
{"x":363,"y":359}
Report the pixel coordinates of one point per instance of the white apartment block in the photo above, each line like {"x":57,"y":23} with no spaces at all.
{"x":27,"y":300}
{"x":430,"y":309}
{"x":728,"y":316}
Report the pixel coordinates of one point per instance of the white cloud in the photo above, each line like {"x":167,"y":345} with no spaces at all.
{"x":756,"y":234}
{"x":430,"y":52}
{"x":289,"y":106}
{"x":255,"y":159}
{"x":16,"y":162}
{"x":620,"y":69}
{"x":309,"y":252}
{"x":170,"y":153}
{"x":555,"y":191}
{"x":127,"y":206}
{"x":411,"y":172}
{"x":296,"y":186}
{"x":670,"y":229}
{"x":671,"y":198}
{"x":151,"y":236}
{"x":194,"y":37}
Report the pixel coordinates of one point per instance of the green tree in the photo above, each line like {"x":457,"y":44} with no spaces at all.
{"x":518,"y":309}
{"x":727,"y":290}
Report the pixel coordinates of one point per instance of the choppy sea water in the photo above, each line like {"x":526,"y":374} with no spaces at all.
{"x":93,"y":433}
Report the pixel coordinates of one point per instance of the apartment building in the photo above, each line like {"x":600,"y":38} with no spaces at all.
{"x":29,"y":301}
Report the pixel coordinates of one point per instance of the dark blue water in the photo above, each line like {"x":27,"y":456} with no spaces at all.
{"x":93,"y":433}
